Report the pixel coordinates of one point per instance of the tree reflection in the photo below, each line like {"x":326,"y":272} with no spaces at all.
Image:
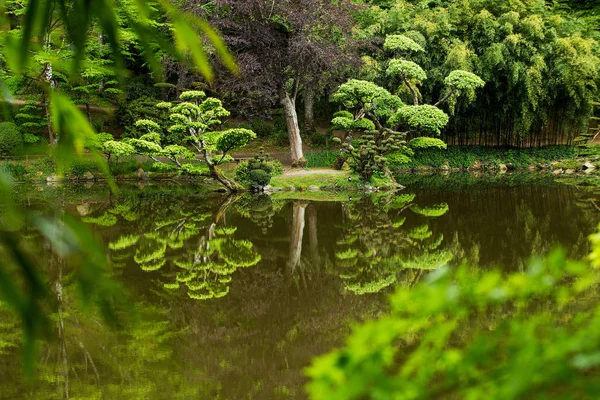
{"x":191,"y":248}
{"x":375,"y":249}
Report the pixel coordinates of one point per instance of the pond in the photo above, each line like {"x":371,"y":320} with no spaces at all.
{"x":231,"y":298}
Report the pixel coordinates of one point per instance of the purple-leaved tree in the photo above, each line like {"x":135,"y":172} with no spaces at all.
{"x":283,"y":48}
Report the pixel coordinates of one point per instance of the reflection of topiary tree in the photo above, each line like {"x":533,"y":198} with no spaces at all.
{"x":190,"y":251}
{"x":208,"y":270}
{"x":260,"y":209}
{"x":376,"y":249}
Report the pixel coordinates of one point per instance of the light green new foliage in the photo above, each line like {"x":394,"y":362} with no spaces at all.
{"x":425,"y":119}
{"x":468,"y":334}
{"x":113,"y":148}
{"x":401,"y":44}
{"x":406,"y":70}
{"x":463,"y":80}
{"x":422,"y":143}
{"x":356,"y":94}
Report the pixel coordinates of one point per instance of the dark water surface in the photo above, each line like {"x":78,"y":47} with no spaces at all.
{"x":231,"y":298}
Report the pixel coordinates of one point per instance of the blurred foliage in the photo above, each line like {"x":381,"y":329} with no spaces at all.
{"x":467,"y":334}
{"x":42,"y":30}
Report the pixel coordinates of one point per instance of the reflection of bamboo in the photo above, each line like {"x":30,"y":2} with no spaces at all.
{"x":296,"y":237}
{"x":313,"y":238}
{"x":58,"y":287}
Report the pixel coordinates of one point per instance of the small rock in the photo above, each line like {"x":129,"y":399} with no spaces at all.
{"x":83,"y":209}
{"x":39,"y":174}
{"x":53,"y":178}
{"x":445,"y":166}
{"x":588,"y":166}
{"x":455,"y":169}
{"x":88,"y":176}
{"x":476,"y":166}
{"x":532,"y":168}
{"x":141,"y":174}
{"x":40,"y":189}
{"x":267,"y":189}
{"x":557,"y":172}
{"x":502,"y":167}
{"x":570,"y":171}
{"x":313,"y":188}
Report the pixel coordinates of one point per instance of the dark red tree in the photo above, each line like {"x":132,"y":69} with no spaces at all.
{"x":284,"y":47}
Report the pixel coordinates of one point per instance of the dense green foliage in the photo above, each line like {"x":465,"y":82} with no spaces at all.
{"x":10,"y":139}
{"x":258,"y":171}
{"x":490,"y":158}
{"x":539,"y":60}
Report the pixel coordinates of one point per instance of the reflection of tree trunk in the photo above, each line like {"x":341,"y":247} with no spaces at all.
{"x":296,"y":237}
{"x":309,"y":108}
{"x":229,"y":201}
{"x":62,"y":351}
{"x":313,"y":239}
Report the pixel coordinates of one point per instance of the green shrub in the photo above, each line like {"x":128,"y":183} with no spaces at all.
{"x":16,"y":170}
{"x":28,"y":138}
{"x":318,"y":139}
{"x":80,"y":167}
{"x":422,"y":143}
{"x":260,"y":177}
{"x":10,"y":139}
{"x":258,"y":171}
{"x":569,"y":164}
{"x":263,"y":129}
{"x":281,"y":138}
{"x":464,"y":156}
{"x":321,"y":159}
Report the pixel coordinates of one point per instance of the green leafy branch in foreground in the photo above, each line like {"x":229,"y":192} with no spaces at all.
{"x":22,"y":286}
{"x":476,"y":335}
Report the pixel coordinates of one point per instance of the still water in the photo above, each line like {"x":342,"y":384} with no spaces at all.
{"x":230,"y":298}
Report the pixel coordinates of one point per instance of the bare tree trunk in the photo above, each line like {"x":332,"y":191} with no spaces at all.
{"x":49,"y":76}
{"x":296,"y":237}
{"x":230,"y":185}
{"x":291,"y":119}
{"x":309,"y":110}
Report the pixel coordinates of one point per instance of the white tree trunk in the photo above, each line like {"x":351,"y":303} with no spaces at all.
{"x":291,"y":120}
{"x":49,"y":77}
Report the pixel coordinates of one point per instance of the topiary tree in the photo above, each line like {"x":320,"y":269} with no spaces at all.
{"x":193,"y":120}
{"x":31,"y":122}
{"x":365,"y":100}
{"x":372,"y":107}
{"x":258,"y":171}
{"x":10,"y":139}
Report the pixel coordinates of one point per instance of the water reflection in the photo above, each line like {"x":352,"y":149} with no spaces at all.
{"x":234,"y":296}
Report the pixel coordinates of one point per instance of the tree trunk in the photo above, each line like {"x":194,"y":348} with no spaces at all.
{"x":309,"y":108}
{"x":291,"y":120}
{"x":230,"y":185}
{"x":49,"y":76}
